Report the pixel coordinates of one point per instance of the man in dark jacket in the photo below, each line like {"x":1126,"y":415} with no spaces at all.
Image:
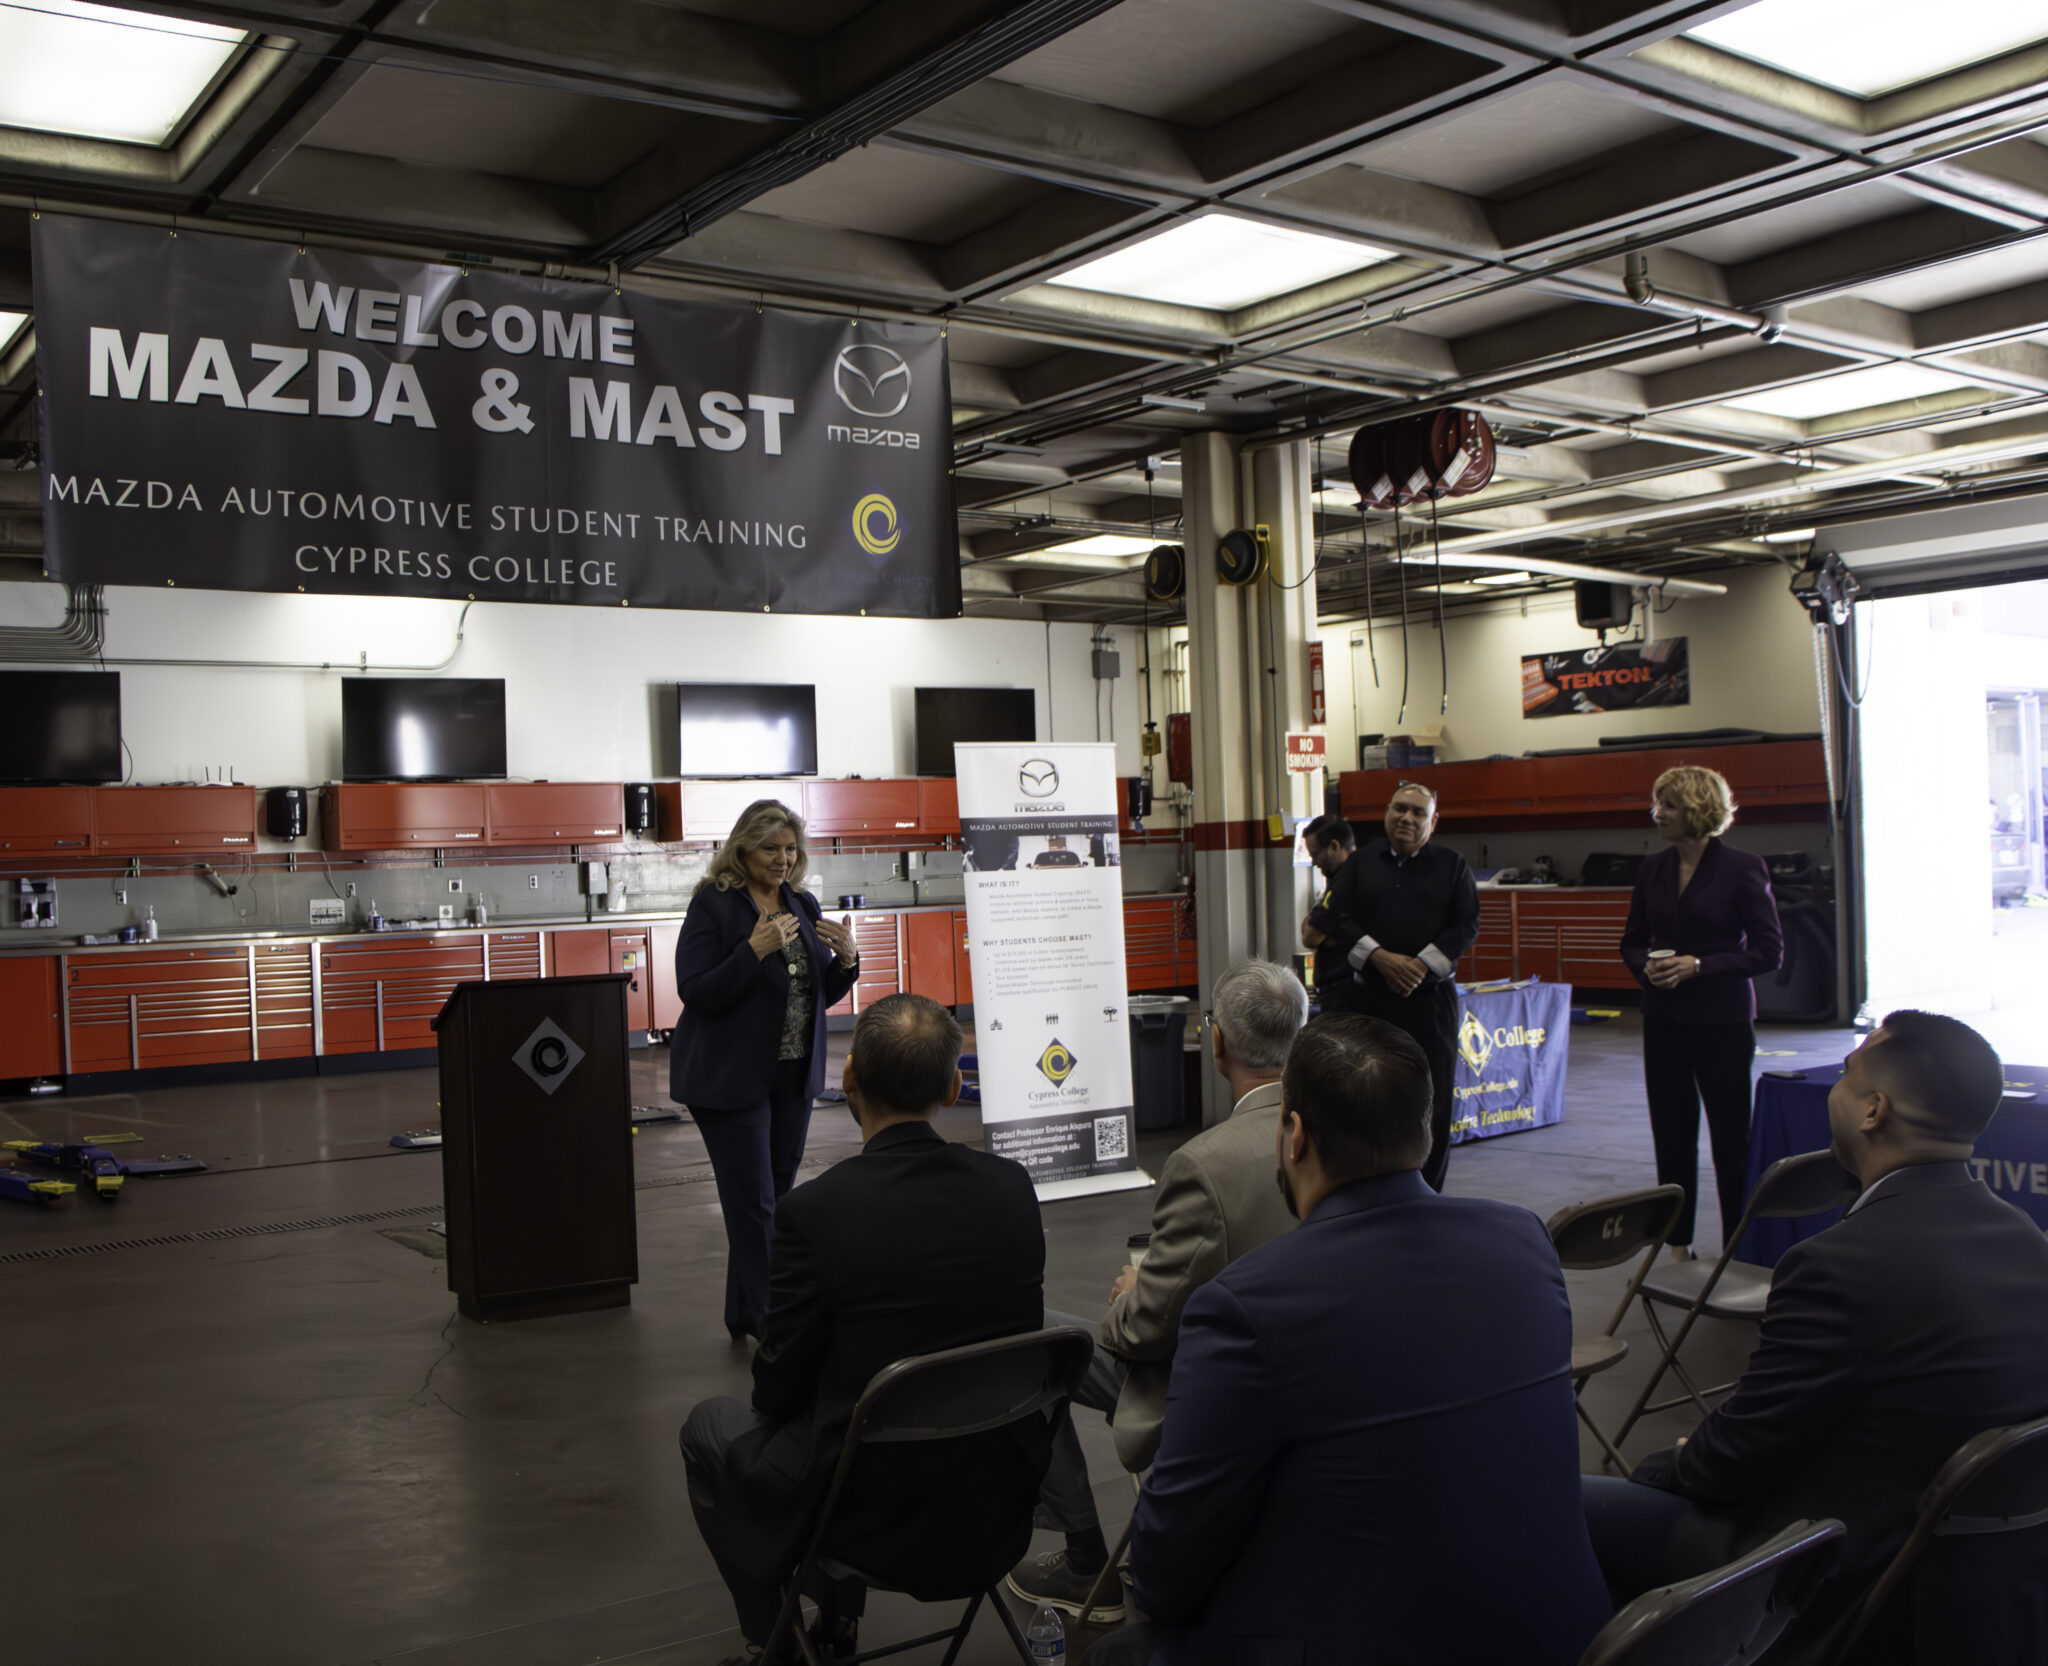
{"x":913,"y":1246}
{"x":1399,"y":916}
{"x":1919,"y":1320}
{"x":1364,"y":1409}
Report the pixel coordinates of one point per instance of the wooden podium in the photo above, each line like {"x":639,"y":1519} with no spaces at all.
{"x":537,"y":1146}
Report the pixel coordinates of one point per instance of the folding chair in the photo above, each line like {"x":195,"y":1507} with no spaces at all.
{"x":1729,"y":1617}
{"x":941,"y":1396}
{"x":1996,"y":1483}
{"x":1113,"y":1569}
{"x":1605,"y":1233}
{"x":1811,"y":1183}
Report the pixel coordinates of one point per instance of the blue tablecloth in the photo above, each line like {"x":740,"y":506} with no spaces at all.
{"x":1791,"y":1117}
{"x":1513,"y":1045}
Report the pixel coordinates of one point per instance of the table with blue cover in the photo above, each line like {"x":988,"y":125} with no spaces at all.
{"x":1792,"y":1116}
{"x":1513,"y":1045}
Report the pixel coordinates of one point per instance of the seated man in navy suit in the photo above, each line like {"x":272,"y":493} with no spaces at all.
{"x":1888,"y":1340}
{"x":1370,"y":1453}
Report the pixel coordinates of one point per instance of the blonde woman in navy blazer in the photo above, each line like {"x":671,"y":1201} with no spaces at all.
{"x":1711,"y":906}
{"x":756,"y":966}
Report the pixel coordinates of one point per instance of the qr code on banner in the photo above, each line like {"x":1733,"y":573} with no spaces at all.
{"x":1112,"y":1138}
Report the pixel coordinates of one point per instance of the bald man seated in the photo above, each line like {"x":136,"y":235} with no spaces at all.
{"x":1917,"y":1321}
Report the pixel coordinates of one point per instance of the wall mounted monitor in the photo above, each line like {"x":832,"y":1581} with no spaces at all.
{"x":423,"y":729}
{"x":60,"y":727}
{"x":948,"y":716}
{"x":729,"y":731}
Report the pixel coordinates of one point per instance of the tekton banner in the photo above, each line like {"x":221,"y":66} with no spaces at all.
{"x":1616,"y":679}
{"x":250,"y":416}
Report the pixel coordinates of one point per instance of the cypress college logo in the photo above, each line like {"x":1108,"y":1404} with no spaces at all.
{"x":1056,"y":1063}
{"x":874,"y":524}
{"x":1474,"y":1043}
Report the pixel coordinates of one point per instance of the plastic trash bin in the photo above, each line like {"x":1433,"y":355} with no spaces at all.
{"x":1159,"y":1027}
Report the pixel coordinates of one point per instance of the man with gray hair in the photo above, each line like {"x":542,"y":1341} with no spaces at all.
{"x":1216,"y":1201}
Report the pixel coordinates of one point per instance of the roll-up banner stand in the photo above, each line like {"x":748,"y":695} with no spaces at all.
{"x":1045,"y":932}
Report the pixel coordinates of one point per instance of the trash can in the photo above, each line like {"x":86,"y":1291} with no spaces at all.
{"x":1159,"y":1027}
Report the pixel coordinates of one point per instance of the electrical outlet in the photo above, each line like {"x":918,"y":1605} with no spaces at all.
{"x":454,"y":884}
{"x":445,"y":914}
{"x":121,"y":897}
{"x":533,"y":882}
{"x":351,"y":887}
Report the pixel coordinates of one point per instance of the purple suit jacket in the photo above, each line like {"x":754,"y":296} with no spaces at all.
{"x":1726,"y":917}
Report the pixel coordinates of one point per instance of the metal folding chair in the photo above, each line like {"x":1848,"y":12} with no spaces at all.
{"x":1811,"y":1183}
{"x":1113,"y":1569}
{"x":1729,"y":1617}
{"x":941,"y":1396}
{"x":1996,"y":1483}
{"x":1604,"y":1233}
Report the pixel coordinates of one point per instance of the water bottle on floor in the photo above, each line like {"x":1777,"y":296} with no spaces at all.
{"x":1047,"y":1636}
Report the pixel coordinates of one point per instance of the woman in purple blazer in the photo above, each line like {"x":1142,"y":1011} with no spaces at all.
{"x":756,"y":966}
{"x":1701,"y":924}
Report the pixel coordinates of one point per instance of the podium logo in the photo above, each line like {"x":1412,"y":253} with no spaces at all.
{"x":1474,"y":1043}
{"x":548,"y":1056}
{"x":1056,"y":1063}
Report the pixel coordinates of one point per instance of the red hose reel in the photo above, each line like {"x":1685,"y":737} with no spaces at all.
{"x":1420,"y":458}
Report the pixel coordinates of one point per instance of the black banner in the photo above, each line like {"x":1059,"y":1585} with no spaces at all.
{"x":252,"y":416}
{"x":1616,"y":679}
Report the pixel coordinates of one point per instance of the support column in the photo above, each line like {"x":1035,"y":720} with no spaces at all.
{"x":1283,"y":502}
{"x":1224,"y":722}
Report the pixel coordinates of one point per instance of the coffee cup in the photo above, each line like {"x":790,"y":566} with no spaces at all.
{"x":1135,"y":1247}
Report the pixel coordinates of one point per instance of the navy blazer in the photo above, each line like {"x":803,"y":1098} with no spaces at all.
{"x":1370,"y":1455}
{"x":1727,"y":917}
{"x":721,"y":1055}
{"x":1888,"y":1340}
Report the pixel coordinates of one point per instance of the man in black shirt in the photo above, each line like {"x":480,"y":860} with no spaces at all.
{"x":1330,"y":844}
{"x":1402,"y":914}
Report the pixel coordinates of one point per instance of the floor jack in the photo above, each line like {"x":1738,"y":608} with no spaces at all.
{"x":91,"y":1159}
{"x":25,"y":1186}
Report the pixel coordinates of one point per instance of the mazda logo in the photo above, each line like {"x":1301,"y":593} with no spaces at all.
{"x":1038,"y":779}
{"x":871,"y":381}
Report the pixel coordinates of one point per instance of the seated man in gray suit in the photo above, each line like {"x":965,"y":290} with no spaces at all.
{"x":1217,"y":1199}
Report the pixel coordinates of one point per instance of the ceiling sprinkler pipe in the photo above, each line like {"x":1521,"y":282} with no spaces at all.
{"x":1636,"y":279}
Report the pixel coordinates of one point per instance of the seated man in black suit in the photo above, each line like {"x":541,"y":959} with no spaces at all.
{"x":1888,"y":1340}
{"x":913,"y":1246}
{"x":1369,"y":1453}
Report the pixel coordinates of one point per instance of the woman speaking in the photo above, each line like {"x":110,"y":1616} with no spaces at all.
{"x":1701,"y":924}
{"x":756,"y":967}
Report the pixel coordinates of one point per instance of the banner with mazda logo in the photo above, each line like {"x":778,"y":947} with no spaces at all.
{"x":1045,"y":942}
{"x":242,"y":415}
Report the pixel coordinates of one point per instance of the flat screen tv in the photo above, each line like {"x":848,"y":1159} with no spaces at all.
{"x":423,"y":729}
{"x":729,"y":731}
{"x":60,"y":727}
{"x":949,"y":715}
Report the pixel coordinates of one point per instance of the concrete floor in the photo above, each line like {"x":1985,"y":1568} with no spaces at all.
{"x":240,"y":1438}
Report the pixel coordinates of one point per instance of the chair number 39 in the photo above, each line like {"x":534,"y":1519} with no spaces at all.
{"x":1611,"y":1227}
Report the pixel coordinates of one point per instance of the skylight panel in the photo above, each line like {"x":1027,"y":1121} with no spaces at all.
{"x":1221,"y":262}
{"x":1103,"y":543}
{"x":1853,"y":390}
{"x":1871,"y":47}
{"x":104,"y":73}
{"x":10,"y":327}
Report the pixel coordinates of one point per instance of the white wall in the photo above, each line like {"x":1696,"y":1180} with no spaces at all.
{"x":1751,"y":653}
{"x":581,"y":682}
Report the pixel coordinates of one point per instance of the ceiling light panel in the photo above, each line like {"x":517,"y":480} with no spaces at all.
{"x":104,"y":73}
{"x":10,"y":327}
{"x":1103,"y":543}
{"x":1871,"y":47}
{"x":1221,"y":262}
{"x":1854,"y":390}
